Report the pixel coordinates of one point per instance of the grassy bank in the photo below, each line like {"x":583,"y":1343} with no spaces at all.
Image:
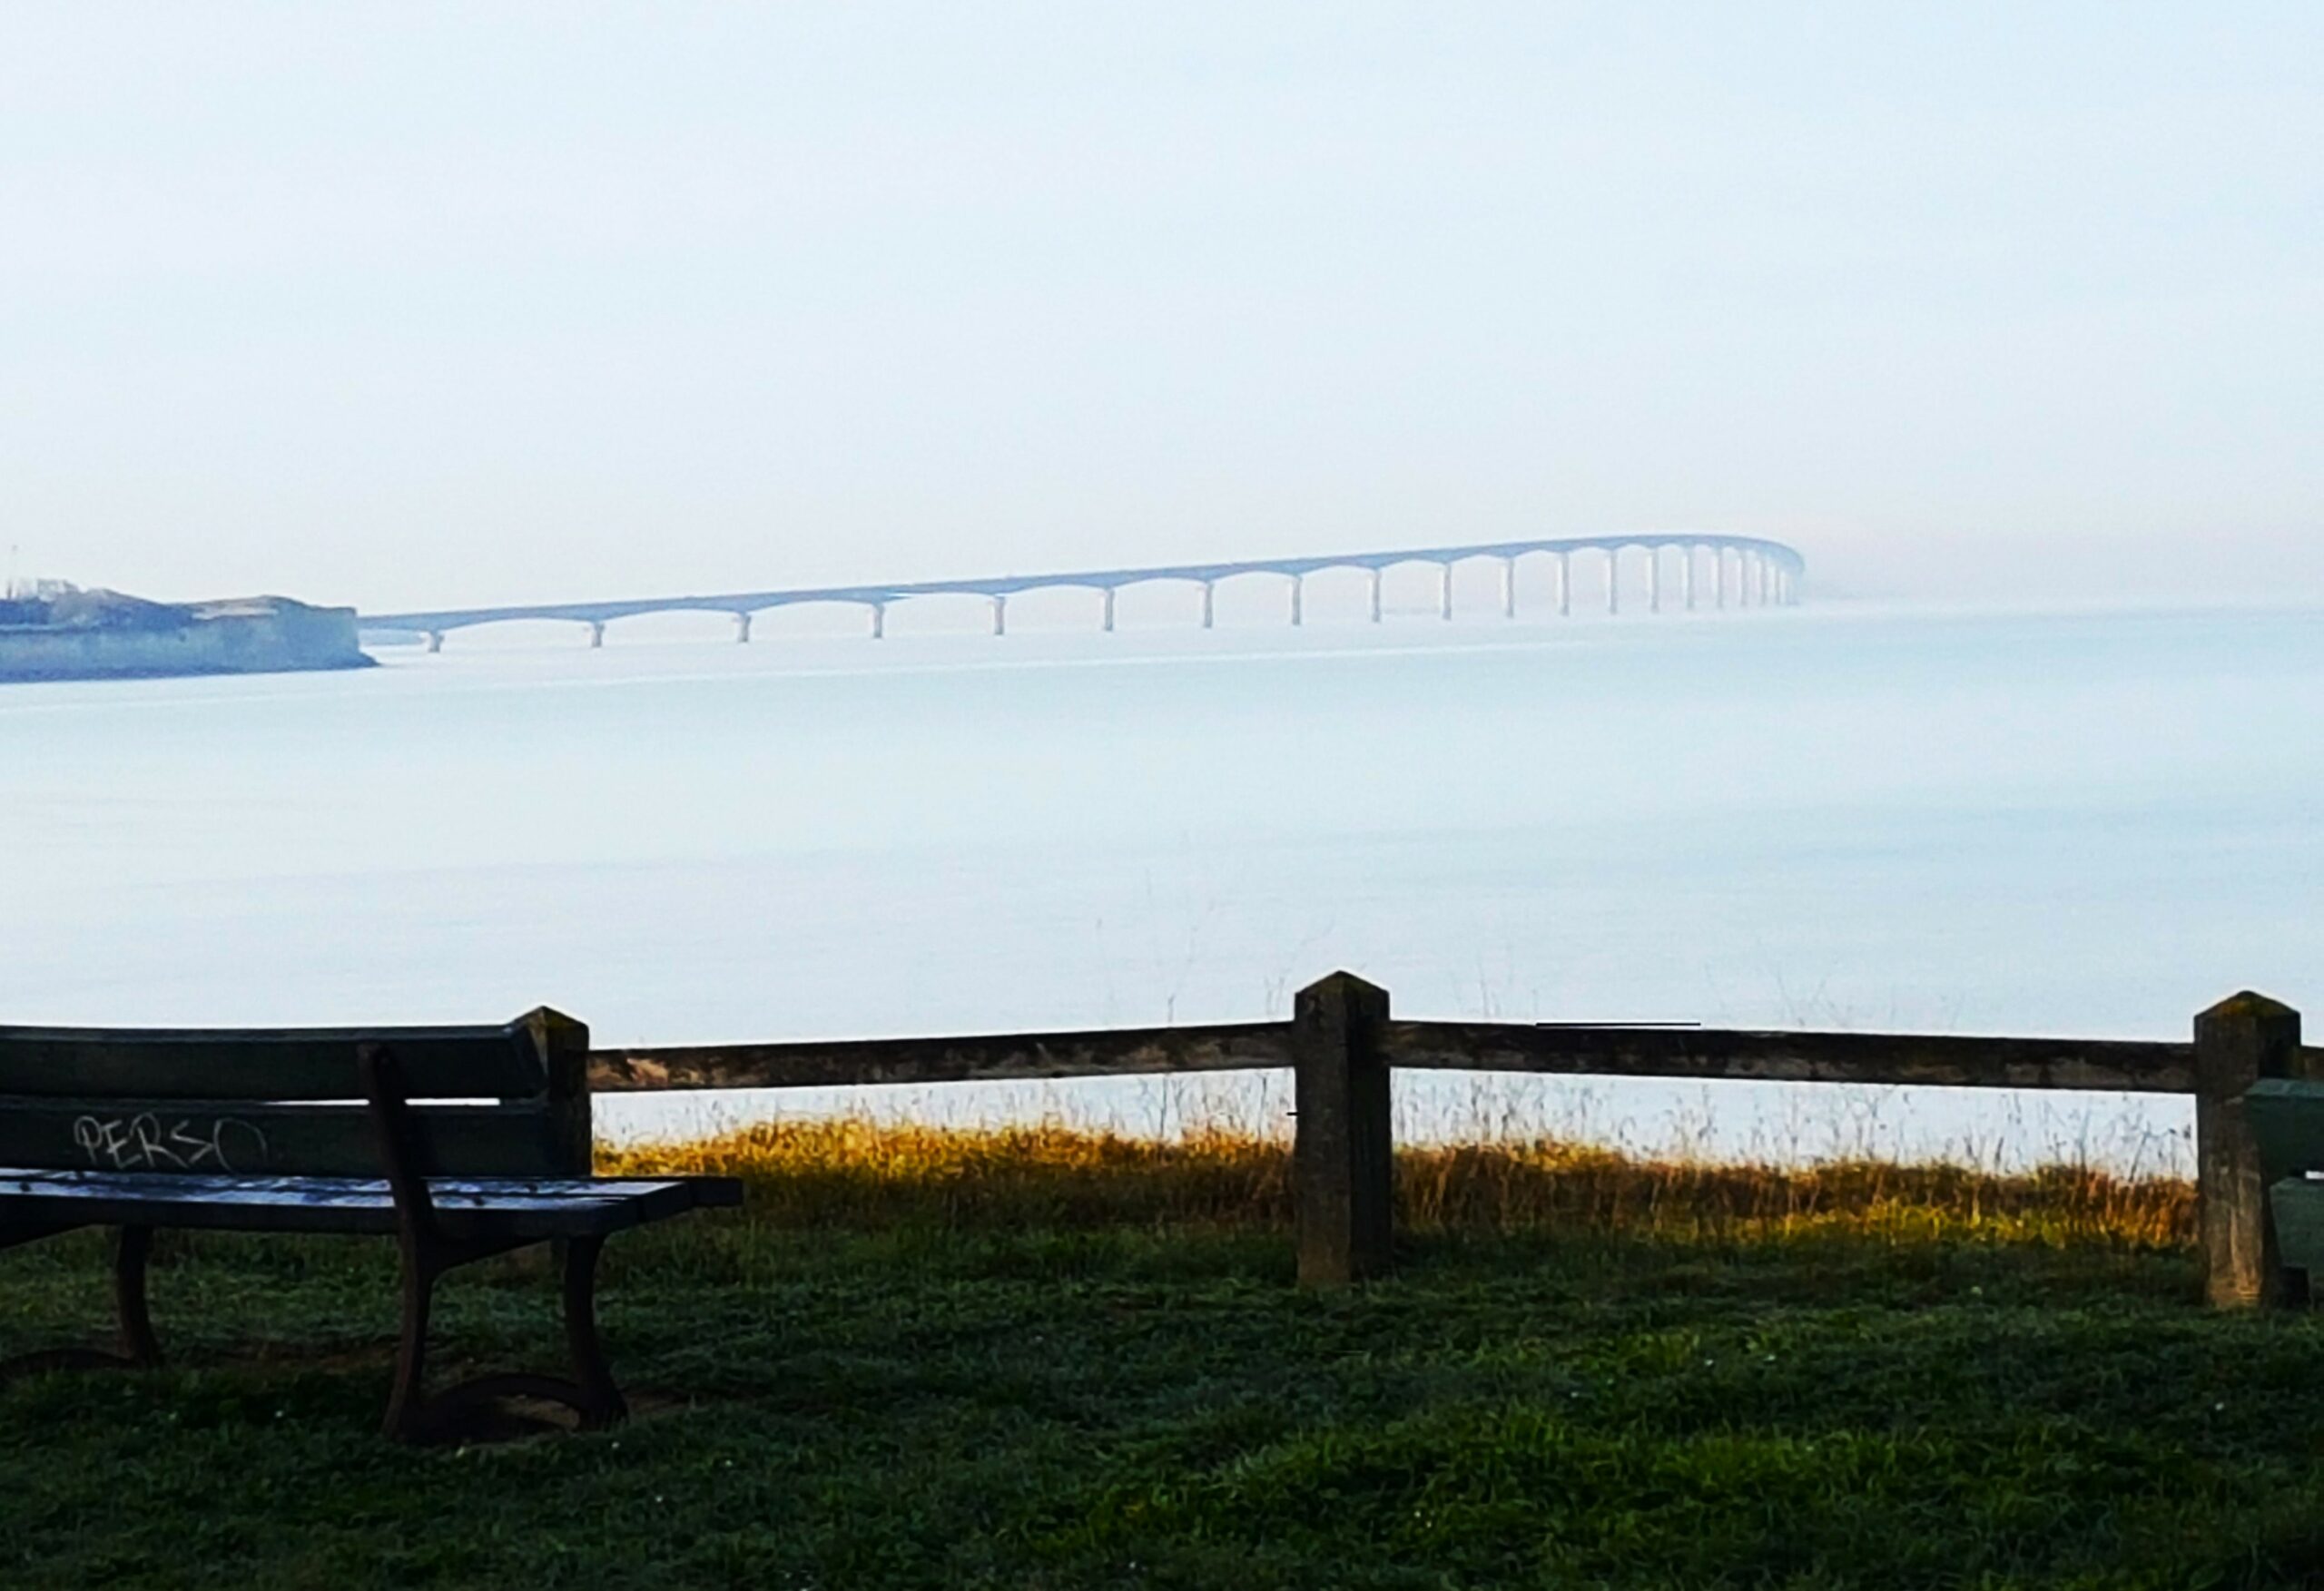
{"x":1048,"y":1358}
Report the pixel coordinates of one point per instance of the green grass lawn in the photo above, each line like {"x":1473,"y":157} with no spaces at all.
{"x":977,"y":1400}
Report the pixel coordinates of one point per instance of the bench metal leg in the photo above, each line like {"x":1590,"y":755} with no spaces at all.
{"x":138,"y":1349}
{"x":604,"y":1404}
{"x":131,"y":1251}
{"x":407,"y":1402}
{"x":414,"y":1416}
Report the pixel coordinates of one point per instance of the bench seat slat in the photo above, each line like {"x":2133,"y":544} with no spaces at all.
{"x":223,"y":1064}
{"x":470,"y":1206}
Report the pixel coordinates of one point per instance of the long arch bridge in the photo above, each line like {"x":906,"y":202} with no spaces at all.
{"x":1686,"y":568}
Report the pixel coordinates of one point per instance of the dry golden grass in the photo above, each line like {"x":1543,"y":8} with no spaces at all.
{"x":861,"y":1173}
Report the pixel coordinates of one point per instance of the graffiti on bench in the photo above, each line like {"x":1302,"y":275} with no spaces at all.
{"x":141,"y":1143}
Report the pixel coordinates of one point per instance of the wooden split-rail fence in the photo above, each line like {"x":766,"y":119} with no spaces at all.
{"x":1342,"y":1044}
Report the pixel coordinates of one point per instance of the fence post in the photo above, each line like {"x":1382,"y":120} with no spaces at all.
{"x":2238,"y":1042}
{"x":1344,"y":1151}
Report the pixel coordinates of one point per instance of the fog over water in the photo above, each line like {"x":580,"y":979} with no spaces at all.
{"x":2088,"y":823}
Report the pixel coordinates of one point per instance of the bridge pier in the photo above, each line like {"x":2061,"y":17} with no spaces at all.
{"x":1687,"y":573}
{"x":596,"y":634}
{"x":1613,"y":580}
{"x":1654,"y":580}
{"x":879,"y":621}
{"x":1209,"y":603}
{"x":1444,"y":591}
{"x":1298,"y":599}
{"x":1565,"y":586}
{"x":1106,"y":610}
{"x":1766,"y":581}
{"x":1509,"y":588}
{"x":1374,"y":572}
{"x":435,"y":641}
{"x":999,"y":614}
{"x":743,"y":629}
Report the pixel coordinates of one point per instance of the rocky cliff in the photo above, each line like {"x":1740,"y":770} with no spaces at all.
{"x":66,"y":634}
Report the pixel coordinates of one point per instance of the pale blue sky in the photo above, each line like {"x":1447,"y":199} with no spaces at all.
{"x":416,"y":305}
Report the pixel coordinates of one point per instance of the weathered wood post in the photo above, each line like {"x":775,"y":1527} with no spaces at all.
{"x":564,"y":1045}
{"x":1343,"y":1155}
{"x":2238,"y":1042}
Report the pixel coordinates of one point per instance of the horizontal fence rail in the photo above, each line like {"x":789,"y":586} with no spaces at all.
{"x":1910,"y":1059}
{"x":1704,"y":1054}
{"x":1126,"y":1051}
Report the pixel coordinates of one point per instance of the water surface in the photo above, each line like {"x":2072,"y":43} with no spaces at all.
{"x":2080,"y":824}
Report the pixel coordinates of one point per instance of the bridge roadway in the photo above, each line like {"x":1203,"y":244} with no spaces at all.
{"x":1765,"y":573}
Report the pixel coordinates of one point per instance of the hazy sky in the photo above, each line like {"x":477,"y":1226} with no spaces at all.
{"x":406,"y":305}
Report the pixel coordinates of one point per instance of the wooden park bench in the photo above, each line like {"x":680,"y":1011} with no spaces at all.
{"x":461,"y":1143}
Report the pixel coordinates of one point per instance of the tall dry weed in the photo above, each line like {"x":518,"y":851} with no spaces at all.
{"x":861,"y":1172}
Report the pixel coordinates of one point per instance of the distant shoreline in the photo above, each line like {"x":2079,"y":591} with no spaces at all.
{"x":10,"y":677}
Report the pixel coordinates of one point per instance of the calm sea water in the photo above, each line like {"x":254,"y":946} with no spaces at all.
{"x":2084,"y":824}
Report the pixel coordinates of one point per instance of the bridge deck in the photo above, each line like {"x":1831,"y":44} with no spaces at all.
{"x":741,"y":603}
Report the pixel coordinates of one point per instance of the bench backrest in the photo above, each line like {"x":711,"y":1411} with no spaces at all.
{"x":505,"y":1101}
{"x":2287,"y":1119}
